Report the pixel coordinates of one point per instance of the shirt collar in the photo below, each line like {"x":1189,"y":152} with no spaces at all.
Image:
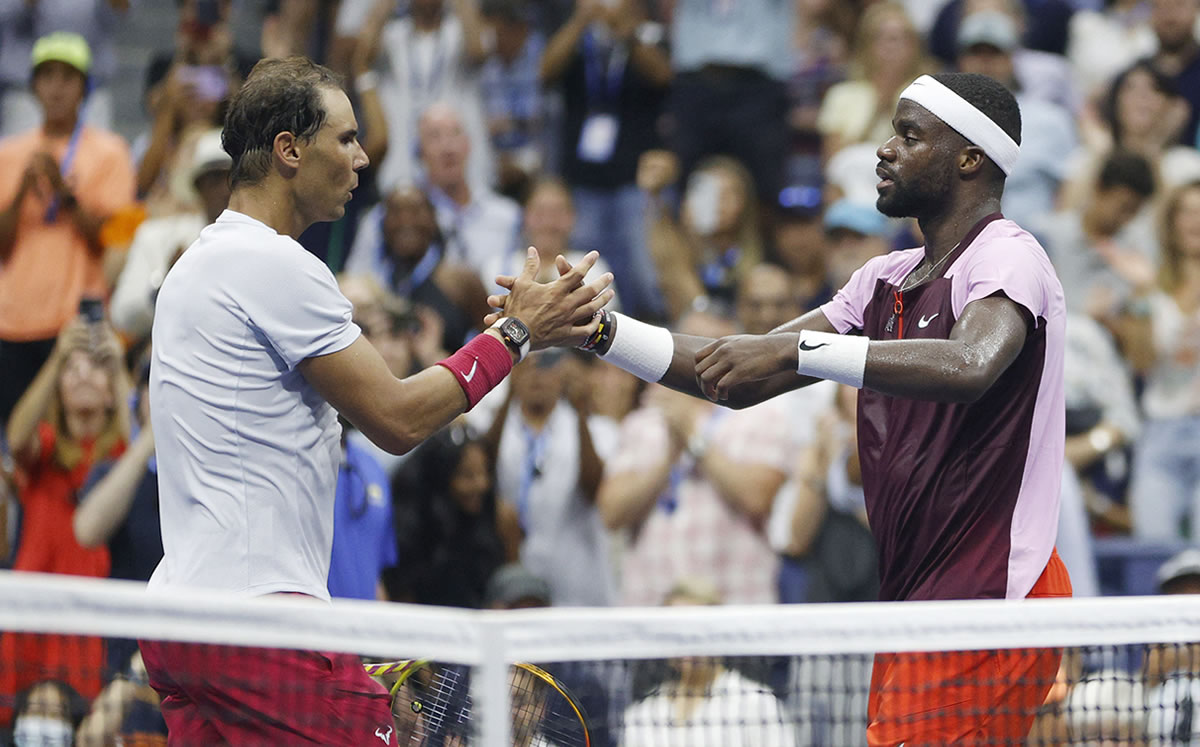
{"x":233,"y":216}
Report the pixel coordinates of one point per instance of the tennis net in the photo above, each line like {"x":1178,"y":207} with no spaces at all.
{"x":1110,"y":671}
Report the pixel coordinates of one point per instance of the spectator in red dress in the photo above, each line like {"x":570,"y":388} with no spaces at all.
{"x":73,"y":415}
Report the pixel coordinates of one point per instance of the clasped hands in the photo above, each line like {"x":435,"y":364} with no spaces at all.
{"x":563,"y":312}
{"x":44,"y":174}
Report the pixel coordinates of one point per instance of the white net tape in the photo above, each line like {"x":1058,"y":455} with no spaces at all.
{"x":489,"y":642}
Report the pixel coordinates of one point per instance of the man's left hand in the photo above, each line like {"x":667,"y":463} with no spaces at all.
{"x":731,"y":361}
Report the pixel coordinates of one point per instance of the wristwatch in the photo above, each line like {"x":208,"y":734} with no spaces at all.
{"x":515,"y":334}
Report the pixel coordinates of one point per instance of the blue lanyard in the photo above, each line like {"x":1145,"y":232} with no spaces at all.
{"x":68,"y":159}
{"x":535,"y":456}
{"x":603,"y":81}
{"x":404,"y":286}
{"x":668,"y":500}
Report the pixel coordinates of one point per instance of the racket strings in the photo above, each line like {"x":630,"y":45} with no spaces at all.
{"x":543,"y":713}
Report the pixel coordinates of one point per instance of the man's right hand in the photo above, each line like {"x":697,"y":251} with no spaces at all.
{"x":561,"y":312}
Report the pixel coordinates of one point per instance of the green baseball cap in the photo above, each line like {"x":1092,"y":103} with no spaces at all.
{"x":63,"y":46}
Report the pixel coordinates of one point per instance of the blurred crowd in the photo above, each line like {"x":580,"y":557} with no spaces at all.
{"x":719,"y":154}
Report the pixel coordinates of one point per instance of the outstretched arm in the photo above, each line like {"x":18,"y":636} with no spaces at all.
{"x":683,"y":373}
{"x":984,"y":342}
{"x":397,"y":414}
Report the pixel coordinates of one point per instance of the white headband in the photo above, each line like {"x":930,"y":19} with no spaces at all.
{"x":965,"y":119}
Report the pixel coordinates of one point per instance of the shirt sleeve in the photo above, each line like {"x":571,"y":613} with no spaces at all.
{"x":1009,"y":269}
{"x":292,"y":298}
{"x":845,"y":310}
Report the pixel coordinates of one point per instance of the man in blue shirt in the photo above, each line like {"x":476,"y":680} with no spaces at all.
{"x":364,"y":538}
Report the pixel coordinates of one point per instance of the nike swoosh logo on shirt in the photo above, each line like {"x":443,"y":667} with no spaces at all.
{"x":923,"y":323}
{"x":468,"y":376}
{"x":805,"y":346}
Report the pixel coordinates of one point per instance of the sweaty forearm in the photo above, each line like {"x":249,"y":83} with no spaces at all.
{"x":934,"y":370}
{"x":681,"y":375}
{"x":656,"y":356}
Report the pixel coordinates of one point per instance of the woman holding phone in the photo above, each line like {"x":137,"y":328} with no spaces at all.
{"x":72,"y":416}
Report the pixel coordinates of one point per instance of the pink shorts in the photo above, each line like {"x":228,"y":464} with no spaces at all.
{"x":244,"y":696}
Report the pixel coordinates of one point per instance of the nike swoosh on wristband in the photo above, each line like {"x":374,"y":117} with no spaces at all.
{"x":468,"y":376}
{"x":806,"y":347}
{"x":923,"y":322}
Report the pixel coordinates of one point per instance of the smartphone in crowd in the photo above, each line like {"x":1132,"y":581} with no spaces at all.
{"x":209,"y":82}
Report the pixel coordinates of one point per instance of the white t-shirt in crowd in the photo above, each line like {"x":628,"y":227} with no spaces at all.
{"x":565,"y":539}
{"x":736,"y":712}
{"x":247,"y":450}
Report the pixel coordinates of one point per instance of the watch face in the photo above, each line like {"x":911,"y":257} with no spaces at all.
{"x":515,"y":331}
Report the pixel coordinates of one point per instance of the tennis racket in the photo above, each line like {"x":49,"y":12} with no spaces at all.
{"x":431,"y":705}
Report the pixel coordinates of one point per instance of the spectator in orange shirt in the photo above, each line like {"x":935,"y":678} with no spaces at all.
{"x":58,"y":184}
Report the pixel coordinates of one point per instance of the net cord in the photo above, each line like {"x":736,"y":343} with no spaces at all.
{"x":64,"y":604}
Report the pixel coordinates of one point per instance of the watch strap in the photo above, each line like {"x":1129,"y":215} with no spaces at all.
{"x":522,"y":349}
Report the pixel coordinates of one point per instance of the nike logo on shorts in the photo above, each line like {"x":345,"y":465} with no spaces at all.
{"x":468,"y":376}
{"x":806,"y":347}
{"x":923,"y":322}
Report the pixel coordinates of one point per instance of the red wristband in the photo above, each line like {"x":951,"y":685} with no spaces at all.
{"x":479,"y":366}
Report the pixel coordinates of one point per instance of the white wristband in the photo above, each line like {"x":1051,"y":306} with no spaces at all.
{"x":840,"y":358}
{"x":641,"y":349}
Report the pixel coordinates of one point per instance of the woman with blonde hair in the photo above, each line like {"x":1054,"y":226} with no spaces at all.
{"x":702,"y":256}
{"x":1160,"y":335}
{"x":888,"y":55}
{"x":74,"y":414}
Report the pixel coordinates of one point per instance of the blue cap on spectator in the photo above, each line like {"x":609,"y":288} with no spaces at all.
{"x":800,"y":201}
{"x":855,"y":216}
